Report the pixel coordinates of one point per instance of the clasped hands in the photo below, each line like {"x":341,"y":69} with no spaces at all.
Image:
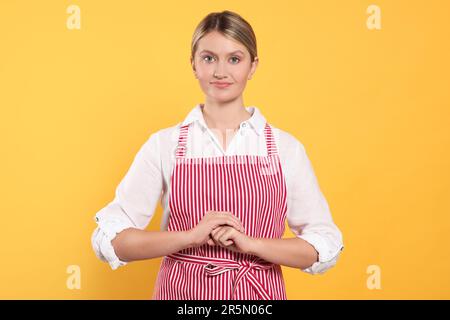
{"x":223,"y":229}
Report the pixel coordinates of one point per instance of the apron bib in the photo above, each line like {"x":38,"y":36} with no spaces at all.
{"x":251,"y":187}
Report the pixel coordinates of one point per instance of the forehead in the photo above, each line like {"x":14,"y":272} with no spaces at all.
{"x":217,"y":43}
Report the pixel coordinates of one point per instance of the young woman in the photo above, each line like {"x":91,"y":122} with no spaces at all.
{"x":227,"y":181}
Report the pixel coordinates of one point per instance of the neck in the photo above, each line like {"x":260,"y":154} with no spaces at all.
{"x":225,"y":116}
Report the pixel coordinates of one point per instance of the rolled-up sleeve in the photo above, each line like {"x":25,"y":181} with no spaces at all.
{"x":134,"y":203}
{"x":309,"y":216}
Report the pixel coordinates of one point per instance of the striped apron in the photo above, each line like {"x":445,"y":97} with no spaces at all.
{"x":252,"y":188}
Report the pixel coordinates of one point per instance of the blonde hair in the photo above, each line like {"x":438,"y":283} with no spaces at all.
{"x":229,"y":24}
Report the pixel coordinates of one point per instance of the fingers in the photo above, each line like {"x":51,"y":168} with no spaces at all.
{"x":211,"y":241}
{"x":230,"y":219}
{"x":215,"y":232}
{"x":236,"y":219}
{"x":220,"y":236}
{"x":230,"y":222}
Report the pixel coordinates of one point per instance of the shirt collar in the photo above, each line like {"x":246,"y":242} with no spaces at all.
{"x":257,"y":121}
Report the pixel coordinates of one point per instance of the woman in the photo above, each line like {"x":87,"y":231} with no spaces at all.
{"x":227,"y":181}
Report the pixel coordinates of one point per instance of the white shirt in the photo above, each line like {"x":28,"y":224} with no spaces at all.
{"x":147,"y":182}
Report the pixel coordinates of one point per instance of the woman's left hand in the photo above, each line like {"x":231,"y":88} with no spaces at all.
{"x":232,"y":239}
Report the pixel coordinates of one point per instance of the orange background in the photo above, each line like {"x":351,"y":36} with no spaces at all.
{"x":370,"y":106}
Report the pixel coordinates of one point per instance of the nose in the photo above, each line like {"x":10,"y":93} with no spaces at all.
{"x":220,"y":71}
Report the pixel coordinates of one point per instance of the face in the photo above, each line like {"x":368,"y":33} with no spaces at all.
{"x":222,"y":66}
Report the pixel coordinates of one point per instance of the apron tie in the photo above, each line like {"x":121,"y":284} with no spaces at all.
{"x":216,"y":266}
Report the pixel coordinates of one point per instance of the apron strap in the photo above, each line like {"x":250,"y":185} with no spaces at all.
{"x":270,"y":140}
{"x":182,"y":141}
{"x":184,"y":130}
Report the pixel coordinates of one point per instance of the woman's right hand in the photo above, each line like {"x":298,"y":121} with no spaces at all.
{"x":200,"y":234}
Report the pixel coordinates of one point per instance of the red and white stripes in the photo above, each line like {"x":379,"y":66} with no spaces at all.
{"x":252,"y":188}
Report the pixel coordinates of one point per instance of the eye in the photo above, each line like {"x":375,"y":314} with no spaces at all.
{"x":208,"y":56}
{"x":236,"y":58}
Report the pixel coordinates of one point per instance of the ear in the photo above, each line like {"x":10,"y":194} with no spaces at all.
{"x":253,"y":68}
{"x":193,"y":67}
{"x":192,"y":63}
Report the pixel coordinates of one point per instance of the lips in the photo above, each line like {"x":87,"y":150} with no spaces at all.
{"x":221,"y":84}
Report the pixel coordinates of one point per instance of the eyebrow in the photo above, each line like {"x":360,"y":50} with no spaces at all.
{"x":237,"y":51}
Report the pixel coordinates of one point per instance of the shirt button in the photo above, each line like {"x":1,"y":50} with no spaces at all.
{"x":244,"y":125}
